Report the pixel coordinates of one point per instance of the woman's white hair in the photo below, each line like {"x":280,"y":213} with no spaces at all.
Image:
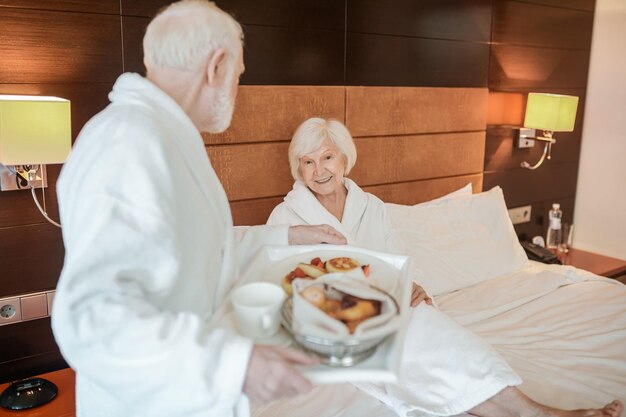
{"x":185,"y":33}
{"x":309,"y":137}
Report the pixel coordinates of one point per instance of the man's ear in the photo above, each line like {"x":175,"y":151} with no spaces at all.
{"x":216,"y":60}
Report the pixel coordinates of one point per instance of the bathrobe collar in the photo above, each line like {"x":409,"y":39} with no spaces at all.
{"x":131,"y":88}
{"x":303,"y":202}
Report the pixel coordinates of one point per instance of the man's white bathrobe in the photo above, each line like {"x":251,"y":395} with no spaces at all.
{"x":150,"y":254}
{"x":446,"y":370}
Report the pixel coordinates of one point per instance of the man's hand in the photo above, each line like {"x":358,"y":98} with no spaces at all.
{"x":418,"y":295}
{"x":312,"y":235}
{"x":271,"y":374}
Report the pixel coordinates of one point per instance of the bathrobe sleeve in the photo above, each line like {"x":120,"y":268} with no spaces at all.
{"x":129,"y":312}
{"x":250,"y":239}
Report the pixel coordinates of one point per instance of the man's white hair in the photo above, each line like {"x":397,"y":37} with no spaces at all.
{"x":309,"y":137}
{"x":185,"y":33}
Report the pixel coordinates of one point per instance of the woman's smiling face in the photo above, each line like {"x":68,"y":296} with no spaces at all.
{"x":323,"y":169}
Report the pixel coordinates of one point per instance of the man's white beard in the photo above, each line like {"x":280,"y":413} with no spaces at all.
{"x":222,"y":112}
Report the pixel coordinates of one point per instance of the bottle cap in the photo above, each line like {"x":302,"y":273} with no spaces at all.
{"x":556,"y":206}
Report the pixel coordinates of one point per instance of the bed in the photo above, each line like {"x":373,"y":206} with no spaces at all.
{"x":563,"y":330}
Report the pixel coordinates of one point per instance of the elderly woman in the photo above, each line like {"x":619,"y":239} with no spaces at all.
{"x":447,"y":370}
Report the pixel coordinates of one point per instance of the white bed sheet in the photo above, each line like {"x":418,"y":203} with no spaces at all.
{"x":563,"y":330}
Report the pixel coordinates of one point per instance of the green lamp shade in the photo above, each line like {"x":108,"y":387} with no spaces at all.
{"x":34,"y":130}
{"x":553,"y":112}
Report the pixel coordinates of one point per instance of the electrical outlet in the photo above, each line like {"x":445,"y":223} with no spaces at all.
{"x":520,"y":214}
{"x":10,"y":311}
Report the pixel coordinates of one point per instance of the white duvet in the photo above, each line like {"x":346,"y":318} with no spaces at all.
{"x":561,"y":329}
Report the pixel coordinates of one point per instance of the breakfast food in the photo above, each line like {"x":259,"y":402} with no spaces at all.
{"x":350,"y":310}
{"x":315,"y":296}
{"x":341,"y":264}
{"x":316,"y":268}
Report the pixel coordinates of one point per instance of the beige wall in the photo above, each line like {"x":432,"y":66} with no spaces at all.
{"x":600,"y":216}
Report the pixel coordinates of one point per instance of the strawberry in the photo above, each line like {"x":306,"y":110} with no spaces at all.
{"x":298,"y":273}
{"x":317,"y":262}
{"x":366,"y":270}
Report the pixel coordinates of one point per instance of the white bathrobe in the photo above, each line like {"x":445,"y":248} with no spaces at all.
{"x":150,"y":254}
{"x":446,"y":370}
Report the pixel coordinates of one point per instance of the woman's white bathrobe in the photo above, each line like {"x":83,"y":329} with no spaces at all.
{"x":446,"y":370}
{"x":150,"y":254}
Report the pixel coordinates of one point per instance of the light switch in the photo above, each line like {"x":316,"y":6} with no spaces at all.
{"x":34,"y":307}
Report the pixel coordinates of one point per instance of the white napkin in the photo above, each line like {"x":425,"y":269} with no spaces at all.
{"x":311,"y":321}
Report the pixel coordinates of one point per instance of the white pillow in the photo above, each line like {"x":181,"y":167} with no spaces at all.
{"x":459,"y":241}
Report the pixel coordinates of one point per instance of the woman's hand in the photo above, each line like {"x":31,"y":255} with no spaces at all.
{"x":313,"y":235}
{"x":418,"y":295}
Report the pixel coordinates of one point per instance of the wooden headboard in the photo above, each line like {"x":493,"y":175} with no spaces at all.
{"x":413,"y":143}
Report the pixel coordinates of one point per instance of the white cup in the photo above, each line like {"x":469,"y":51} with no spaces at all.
{"x":257,"y":309}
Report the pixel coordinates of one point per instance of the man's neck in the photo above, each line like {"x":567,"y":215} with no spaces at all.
{"x":184,"y":87}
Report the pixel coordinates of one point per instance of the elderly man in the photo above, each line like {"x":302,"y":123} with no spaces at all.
{"x":150,"y":247}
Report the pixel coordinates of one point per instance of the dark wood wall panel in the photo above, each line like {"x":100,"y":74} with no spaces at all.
{"x":404,"y":61}
{"x":145,"y":8}
{"x":307,"y":14}
{"x":89,"y":6}
{"x":31,"y":350}
{"x":464,"y":20}
{"x":523,"y":68}
{"x":588,"y":5}
{"x":293,"y":56}
{"x":522,"y":186}
{"x":33,"y":269}
{"x":133,"y":29}
{"x":56,"y":47}
{"x":535,"y":25}
{"x":310,"y":14}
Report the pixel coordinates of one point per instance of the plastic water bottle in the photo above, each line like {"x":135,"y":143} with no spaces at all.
{"x":553,"y":237}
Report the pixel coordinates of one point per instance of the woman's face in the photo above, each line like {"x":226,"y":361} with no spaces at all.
{"x":323,"y":169}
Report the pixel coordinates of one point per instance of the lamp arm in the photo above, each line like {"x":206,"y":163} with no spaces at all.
{"x":32,"y":190}
{"x":546,"y":148}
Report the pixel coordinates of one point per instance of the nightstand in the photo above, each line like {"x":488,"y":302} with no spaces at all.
{"x":64,"y":405}
{"x":598,"y":264}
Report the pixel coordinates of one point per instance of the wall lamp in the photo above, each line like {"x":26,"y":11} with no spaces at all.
{"x":34,"y":131}
{"x":550,"y":113}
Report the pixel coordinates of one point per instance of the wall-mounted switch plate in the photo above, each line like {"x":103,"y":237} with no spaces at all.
{"x":520,"y":214}
{"x":50,"y":299}
{"x":34,"y":306}
{"x":525,"y":139}
{"x":8,"y":182}
{"x":10,"y":310}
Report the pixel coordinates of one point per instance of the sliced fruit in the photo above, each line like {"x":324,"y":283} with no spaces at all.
{"x":312,"y":270}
